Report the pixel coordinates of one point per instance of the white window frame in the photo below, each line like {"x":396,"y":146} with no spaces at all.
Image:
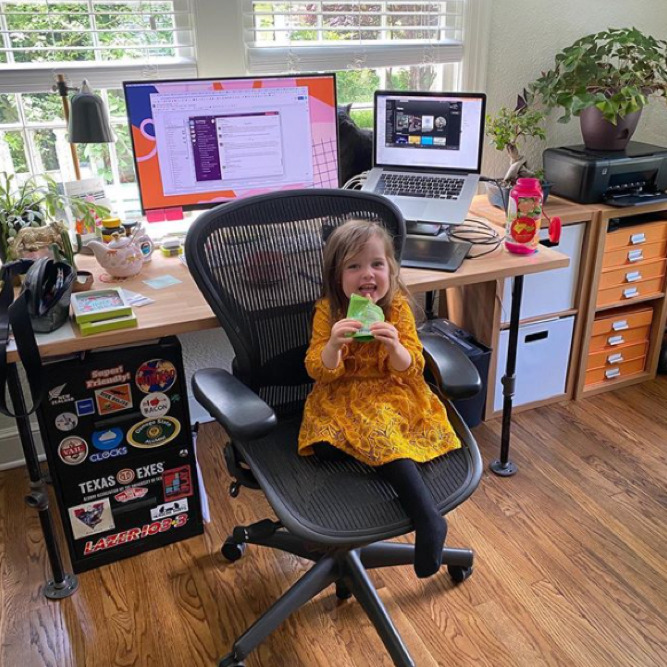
{"x":471,"y":51}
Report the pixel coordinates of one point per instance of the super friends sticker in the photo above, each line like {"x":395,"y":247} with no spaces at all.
{"x":155,"y":375}
{"x":153,"y":432}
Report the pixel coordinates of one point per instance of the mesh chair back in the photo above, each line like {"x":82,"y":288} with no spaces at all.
{"x":258,"y":263}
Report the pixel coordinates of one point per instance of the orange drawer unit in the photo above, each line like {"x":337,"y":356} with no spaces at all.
{"x":618,"y":355}
{"x":629,"y":256}
{"x":642,"y":280}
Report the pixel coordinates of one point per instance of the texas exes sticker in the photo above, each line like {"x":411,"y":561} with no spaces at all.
{"x":91,"y":518}
{"x":73,"y":450}
{"x":153,"y":432}
{"x":155,"y":405}
{"x":113,"y":399}
{"x":155,"y":375}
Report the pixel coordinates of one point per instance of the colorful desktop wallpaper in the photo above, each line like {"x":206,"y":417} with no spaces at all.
{"x":323,"y":128}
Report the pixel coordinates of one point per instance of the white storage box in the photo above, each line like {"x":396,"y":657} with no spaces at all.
{"x":542,"y":360}
{"x":550,"y":291}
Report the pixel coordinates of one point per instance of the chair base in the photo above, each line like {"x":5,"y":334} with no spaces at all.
{"x":346,"y":568}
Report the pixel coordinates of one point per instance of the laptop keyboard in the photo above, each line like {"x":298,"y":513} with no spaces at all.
{"x":414,"y":185}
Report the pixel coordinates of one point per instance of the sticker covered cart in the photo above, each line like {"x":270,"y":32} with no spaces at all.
{"x":120,"y":451}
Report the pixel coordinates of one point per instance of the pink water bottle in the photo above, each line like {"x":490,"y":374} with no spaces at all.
{"x":524,"y":215}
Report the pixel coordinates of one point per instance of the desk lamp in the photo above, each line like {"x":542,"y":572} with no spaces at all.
{"x":88,"y":121}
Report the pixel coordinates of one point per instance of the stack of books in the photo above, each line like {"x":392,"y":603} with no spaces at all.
{"x":101,"y":310}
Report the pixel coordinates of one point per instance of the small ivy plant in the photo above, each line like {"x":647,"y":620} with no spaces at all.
{"x":615,"y":70}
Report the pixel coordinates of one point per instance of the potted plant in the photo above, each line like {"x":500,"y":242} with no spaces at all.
{"x":606,"y":79}
{"x":33,"y":204}
{"x":508,"y":130}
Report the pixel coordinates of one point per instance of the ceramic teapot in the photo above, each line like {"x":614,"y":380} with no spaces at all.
{"x":123,"y":256}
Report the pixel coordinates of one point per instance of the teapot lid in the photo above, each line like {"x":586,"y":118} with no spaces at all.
{"x":118,"y":241}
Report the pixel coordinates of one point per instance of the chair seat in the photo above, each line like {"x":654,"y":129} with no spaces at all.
{"x":346,"y":502}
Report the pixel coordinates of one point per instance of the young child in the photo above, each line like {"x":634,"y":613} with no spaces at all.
{"x":370,"y":400}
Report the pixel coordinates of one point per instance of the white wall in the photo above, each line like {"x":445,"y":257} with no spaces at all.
{"x":526,"y":35}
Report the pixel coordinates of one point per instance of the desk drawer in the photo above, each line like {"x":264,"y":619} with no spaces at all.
{"x":634,"y":255}
{"x":636,"y":236}
{"x":612,"y":374}
{"x":617,"y":356}
{"x":630,"y":291}
{"x":622,"y":320}
{"x":609,"y":341}
{"x":632,"y":274}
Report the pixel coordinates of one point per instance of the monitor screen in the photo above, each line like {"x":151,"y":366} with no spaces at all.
{"x":201,"y":142}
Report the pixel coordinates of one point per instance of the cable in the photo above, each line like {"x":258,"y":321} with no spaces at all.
{"x":356,"y":182}
{"x":479,"y":233}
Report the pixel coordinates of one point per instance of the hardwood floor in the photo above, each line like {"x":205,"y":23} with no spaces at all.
{"x":570,"y":567}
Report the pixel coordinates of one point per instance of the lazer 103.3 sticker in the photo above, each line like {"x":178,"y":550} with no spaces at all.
{"x":177,"y":483}
{"x":155,"y":375}
{"x":155,"y":405}
{"x":66,"y":421}
{"x":73,"y":450}
{"x":91,"y":518}
{"x":153,"y":432}
{"x":113,"y":399}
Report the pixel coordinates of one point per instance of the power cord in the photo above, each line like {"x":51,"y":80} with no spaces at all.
{"x":479,"y":233}
{"x":356,"y":182}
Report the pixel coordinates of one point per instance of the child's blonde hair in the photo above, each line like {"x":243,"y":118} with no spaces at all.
{"x":344,"y":243}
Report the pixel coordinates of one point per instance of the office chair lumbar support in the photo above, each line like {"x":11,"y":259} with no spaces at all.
{"x":339,"y":515}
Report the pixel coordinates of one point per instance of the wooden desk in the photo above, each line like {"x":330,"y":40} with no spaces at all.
{"x":181,"y":308}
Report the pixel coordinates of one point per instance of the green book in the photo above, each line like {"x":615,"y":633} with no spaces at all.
{"x":123,"y":322}
{"x":102,"y":304}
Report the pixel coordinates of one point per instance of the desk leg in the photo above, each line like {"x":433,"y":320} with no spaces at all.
{"x":62,"y":585}
{"x":503,"y":466}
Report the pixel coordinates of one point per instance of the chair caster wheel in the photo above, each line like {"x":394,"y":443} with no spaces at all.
{"x":232,"y":550}
{"x":230,"y":660}
{"x":234,"y":489}
{"x":342,"y":591}
{"x":459,"y":573}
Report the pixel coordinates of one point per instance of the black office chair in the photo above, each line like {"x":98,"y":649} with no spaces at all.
{"x":258,"y":263}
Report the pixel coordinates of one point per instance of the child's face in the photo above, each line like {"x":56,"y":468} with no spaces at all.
{"x":367,"y":273}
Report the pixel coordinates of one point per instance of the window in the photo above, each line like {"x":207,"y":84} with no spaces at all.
{"x":378,"y":44}
{"x":105,"y":42}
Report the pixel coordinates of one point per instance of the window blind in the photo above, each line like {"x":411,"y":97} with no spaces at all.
{"x":107,"y":41}
{"x":322,"y":35}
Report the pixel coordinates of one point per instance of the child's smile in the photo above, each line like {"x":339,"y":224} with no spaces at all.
{"x":367,"y":273}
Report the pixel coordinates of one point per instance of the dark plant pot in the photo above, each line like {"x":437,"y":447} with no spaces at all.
{"x":83,"y":281}
{"x":498,"y":196}
{"x":601,"y":135}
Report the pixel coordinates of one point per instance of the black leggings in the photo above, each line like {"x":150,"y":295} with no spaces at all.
{"x":416,"y":500}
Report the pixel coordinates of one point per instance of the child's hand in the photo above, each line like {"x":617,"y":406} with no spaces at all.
{"x":341,"y":331}
{"x":386,"y":333}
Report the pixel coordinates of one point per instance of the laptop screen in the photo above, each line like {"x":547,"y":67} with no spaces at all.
{"x":429,"y":130}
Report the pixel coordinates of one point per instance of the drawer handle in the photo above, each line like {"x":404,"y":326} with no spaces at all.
{"x":636,"y":239}
{"x":615,"y":358}
{"x":630,"y":293}
{"x":540,"y":335}
{"x":635,"y":255}
{"x":633,"y":276}
{"x":619,"y":325}
{"x":615,"y":340}
{"x":612,"y":373}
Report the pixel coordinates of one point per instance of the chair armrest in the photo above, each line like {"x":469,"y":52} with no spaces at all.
{"x":452,"y":371}
{"x":243,"y":414}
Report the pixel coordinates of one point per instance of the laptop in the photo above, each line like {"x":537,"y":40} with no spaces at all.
{"x":427,"y":153}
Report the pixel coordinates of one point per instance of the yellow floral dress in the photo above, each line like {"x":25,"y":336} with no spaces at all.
{"x":366,"y":408}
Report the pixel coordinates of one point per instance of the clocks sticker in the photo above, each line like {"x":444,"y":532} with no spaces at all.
{"x":155,"y":405}
{"x":155,"y":375}
{"x":151,"y":433}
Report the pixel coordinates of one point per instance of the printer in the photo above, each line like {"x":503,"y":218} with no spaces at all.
{"x":632,"y":177}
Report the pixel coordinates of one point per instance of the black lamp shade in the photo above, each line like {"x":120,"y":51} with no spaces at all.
{"x":89,"y":121}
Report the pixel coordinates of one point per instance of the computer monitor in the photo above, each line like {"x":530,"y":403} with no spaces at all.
{"x":201,"y":142}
